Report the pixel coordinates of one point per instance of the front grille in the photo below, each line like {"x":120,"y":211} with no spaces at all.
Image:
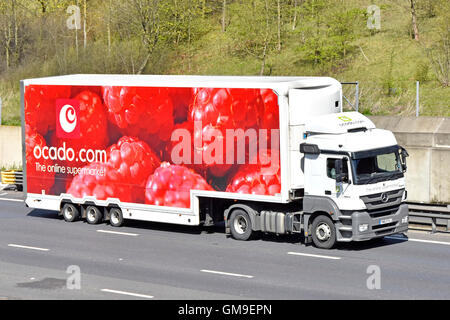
{"x":383,"y":212}
{"x":377,"y":208}
{"x":387,"y":225}
{"x":390,"y":230}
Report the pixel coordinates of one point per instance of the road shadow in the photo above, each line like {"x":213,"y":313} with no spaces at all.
{"x":219,"y":228}
{"x":177,"y":228}
{"x":372,"y":244}
{"x":47,"y":214}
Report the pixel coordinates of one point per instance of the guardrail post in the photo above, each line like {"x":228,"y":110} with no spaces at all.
{"x":417,"y":98}
{"x":448,"y":221}
{"x":357,"y":96}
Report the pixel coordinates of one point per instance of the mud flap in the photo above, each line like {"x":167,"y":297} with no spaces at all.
{"x":307,"y":228}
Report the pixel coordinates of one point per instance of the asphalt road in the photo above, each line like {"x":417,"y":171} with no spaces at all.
{"x":40,"y":255}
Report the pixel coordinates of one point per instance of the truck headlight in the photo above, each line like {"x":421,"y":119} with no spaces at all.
{"x":363,"y":227}
{"x":405,"y":219}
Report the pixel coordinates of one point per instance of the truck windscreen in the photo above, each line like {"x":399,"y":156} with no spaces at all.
{"x":377,"y":167}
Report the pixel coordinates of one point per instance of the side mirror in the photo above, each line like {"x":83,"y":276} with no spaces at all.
{"x":338,"y":169}
{"x":403,"y":155}
{"x":341,"y":176}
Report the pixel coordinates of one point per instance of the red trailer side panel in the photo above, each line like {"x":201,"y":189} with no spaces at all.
{"x":151,"y":144}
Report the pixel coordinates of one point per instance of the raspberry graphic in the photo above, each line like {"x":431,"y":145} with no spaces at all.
{"x":146,"y":113}
{"x":93,"y":126}
{"x":78,"y":89}
{"x":263,"y":178}
{"x":101,"y":181}
{"x":177,"y":157}
{"x":218,"y":110}
{"x":181,"y":100}
{"x":134,"y":161}
{"x":40,"y":106}
{"x":37,"y":179}
{"x":270,"y":118}
{"x":170,"y":186}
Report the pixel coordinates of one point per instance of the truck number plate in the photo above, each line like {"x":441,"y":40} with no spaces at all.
{"x":384,"y":221}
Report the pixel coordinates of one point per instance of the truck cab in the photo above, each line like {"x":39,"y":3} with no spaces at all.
{"x":354,"y":177}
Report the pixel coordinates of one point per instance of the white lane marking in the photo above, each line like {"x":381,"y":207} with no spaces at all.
{"x":128,"y":293}
{"x":8,"y":199}
{"x":418,"y":240}
{"x":27,"y":247}
{"x":313,"y":255}
{"x":227,"y":273}
{"x":3,"y":194}
{"x":121,"y":233}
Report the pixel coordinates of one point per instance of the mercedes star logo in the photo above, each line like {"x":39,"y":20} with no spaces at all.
{"x":384,"y":197}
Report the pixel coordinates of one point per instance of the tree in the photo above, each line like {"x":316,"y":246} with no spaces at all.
{"x":253,"y":29}
{"x":439,"y":51}
{"x":327,"y":33}
{"x":414,"y":19}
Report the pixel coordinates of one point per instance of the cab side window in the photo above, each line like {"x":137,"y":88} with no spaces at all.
{"x":331,"y":170}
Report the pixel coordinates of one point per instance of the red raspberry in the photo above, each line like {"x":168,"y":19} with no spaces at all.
{"x":40,"y":108}
{"x":178,"y":156}
{"x":78,"y":89}
{"x":101,"y":181}
{"x":181,"y":100}
{"x":262,"y":179}
{"x":143,"y":112}
{"x":37,"y":180}
{"x":170,"y":186}
{"x":134,"y":161}
{"x":93,"y":126}
{"x":218,"y":110}
{"x":270,"y":118}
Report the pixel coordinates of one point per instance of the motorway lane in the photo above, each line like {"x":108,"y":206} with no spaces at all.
{"x":166,"y":262}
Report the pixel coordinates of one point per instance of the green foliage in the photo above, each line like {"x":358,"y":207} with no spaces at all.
{"x":439,"y":51}
{"x":328,"y":34}
{"x":234,"y":37}
{"x":422,"y":72}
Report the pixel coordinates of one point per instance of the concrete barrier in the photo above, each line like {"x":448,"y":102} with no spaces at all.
{"x":427,"y":140}
{"x":10,"y":147}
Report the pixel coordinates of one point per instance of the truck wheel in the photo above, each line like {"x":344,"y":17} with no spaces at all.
{"x":240,"y":225}
{"x":70,"y":212}
{"x":115,"y":217}
{"x":93,"y":215}
{"x":323,"y":232}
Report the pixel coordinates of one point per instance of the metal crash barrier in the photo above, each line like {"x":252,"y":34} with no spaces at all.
{"x":12,"y":177}
{"x":423,"y":213}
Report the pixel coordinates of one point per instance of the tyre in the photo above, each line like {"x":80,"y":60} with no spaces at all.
{"x":93,"y":215}
{"x":70,"y":212}
{"x":240,"y":225}
{"x":323,"y":232}
{"x":115,"y":217}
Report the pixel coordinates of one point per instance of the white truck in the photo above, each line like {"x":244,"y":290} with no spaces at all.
{"x":337,"y":177}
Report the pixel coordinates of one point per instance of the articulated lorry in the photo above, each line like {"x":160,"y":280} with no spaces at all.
{"x":262,"y":154}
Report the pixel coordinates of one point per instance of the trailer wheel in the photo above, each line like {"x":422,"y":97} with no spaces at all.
{"x":240,"y":225}
{"x":70,"y":212}
{"x":115,"y":217}
{"x":93,"y":215}
{"x":323,"y":232}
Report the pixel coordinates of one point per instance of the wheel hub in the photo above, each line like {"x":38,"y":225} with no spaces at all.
{"x":240,"y":224}
{"x":91,"y":215}
{"x":323,"y":232}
